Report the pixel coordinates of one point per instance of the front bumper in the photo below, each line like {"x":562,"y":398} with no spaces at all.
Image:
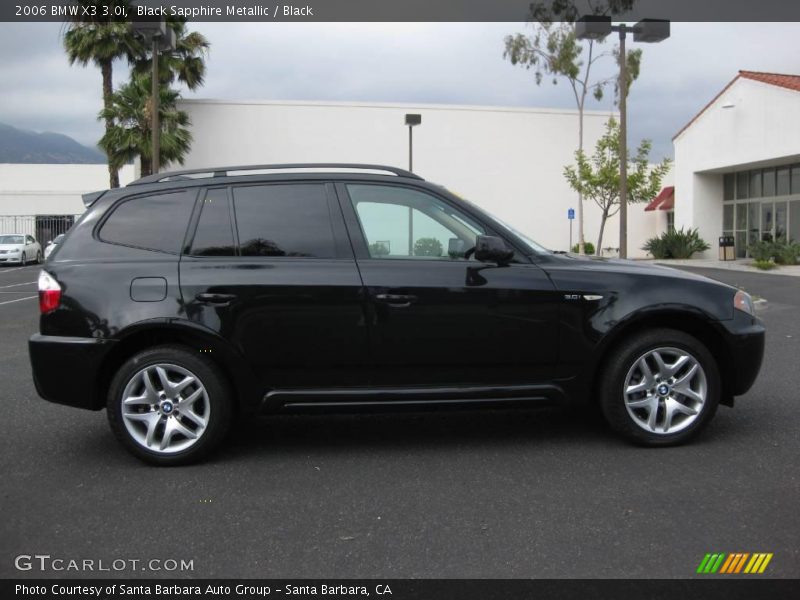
{"x":12,"y":260}
{"x":746,"y":337}
{"x":66,"y":369}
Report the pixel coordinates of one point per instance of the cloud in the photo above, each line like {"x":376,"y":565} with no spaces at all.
{"x":454,"y":63}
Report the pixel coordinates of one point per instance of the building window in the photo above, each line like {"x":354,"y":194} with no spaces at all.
{"x":783,"y":182}
{"x":742,"y":185}
{"x":728,"y":186}
{"x":670,"y":221}
{"x":755,"y":184}
{"x":769,"y":182}
{"x":796,"y":179}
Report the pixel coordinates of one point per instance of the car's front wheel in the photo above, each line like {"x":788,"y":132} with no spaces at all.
{"x":169,"y":406}
{"x":660,"y":388}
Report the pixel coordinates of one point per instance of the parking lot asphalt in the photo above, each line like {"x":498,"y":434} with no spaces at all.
{"x":473,"y":494}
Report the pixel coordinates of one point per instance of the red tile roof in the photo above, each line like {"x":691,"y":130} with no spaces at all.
{"x":789,"y":82}
{"x":664,"y":201}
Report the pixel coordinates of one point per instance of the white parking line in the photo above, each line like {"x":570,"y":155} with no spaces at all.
{"x":18,"y":300}
{"x":2,"y":287}
{"x":15,"y":269}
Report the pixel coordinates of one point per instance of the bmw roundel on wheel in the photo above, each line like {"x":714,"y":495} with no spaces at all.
{"x":187,"y":299}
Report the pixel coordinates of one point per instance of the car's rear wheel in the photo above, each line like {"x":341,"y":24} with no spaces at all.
{"x":660,"y":388}
{"x":39,"y":257}
{"x":169,"y":406}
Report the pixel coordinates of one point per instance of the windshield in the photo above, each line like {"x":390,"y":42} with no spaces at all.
{"x":12,"y":239}
{"x":536,"y":247}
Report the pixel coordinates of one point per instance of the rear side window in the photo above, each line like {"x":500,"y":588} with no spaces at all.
{"x":284,"y":220}
{"x":157,"y":222}
{"x":214,"y":235}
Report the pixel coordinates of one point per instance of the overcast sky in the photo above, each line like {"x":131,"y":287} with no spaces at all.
{"x":455,"y":63}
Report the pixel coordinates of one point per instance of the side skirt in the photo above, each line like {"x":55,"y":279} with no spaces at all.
{"x":410,"y":398}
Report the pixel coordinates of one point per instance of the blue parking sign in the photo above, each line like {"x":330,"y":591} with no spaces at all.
{"x":570,"y":213}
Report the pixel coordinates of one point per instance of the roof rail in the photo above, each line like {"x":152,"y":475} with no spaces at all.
{"x":225,"y":171}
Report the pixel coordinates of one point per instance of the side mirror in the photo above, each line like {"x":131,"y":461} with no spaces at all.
{"x":489,"y":248}
{"x":50,"y":243}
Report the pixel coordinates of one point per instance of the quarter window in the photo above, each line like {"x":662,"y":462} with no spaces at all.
{"x":156,"y":222}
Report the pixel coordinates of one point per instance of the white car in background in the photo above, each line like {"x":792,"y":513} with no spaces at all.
{"x":48,"y":249}
{"x":19,"y":248}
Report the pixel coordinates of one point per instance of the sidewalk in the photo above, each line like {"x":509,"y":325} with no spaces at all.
{"x":731,"y":265}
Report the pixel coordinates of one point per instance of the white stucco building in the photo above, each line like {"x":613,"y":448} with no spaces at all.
{"x":737,"y":163}
{"x":510,"y":161}
{"x":43,"y":200}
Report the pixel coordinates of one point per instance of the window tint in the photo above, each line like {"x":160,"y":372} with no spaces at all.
{"x":214,"y":235}
{"x":30,"y":240}
{"x":284,"y":220}
{"x":403,"y":223}
{"x":155,"y":222}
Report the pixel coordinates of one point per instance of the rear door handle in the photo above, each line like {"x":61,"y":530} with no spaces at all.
{"x":398,"y":300}
{"x":218,"y":299}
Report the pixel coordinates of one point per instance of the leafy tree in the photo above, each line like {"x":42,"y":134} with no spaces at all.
{"x":552,"y":50}
{"x":129,"y":135}
{"x":597,"y":178}
{"x":91,"y":39}
{"x":427,"y":247}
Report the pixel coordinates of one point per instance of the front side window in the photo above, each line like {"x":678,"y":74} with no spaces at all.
{"x":399,"y":222}
{"x":157,"y":222}
{"x":290,"y":220}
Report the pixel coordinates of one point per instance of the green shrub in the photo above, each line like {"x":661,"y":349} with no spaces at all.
{"x":764,"y":265}
{"x":676,"y":244}
{"x":780,"y":252}
{"x":787,"y":253}
{"x":588,"y":248}
{"x":761,"y":251}
{"x":379,"y":249}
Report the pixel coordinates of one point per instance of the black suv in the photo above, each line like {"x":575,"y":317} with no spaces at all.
{"x":187,"y":298}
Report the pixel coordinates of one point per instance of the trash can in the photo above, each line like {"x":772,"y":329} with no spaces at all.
{"x":727,"y":248}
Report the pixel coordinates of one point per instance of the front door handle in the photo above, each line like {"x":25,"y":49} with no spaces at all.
{"x":217,"y":299}
{"x":396,"y":300}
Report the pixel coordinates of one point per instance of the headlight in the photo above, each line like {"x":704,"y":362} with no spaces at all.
{"x":743,"y":302}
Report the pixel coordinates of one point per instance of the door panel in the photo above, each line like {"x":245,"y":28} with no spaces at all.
{"x":436,"y":317}
{"x":291,"y":302}
{"x":462,"y":323}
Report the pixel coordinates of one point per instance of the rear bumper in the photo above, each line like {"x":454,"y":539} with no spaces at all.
{"x":746,"y":338}
{"x":66,"y":369}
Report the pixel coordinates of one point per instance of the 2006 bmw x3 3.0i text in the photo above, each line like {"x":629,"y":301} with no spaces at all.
{"x":187,"y":298}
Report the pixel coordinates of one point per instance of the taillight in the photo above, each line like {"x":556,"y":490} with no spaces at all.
{"x":49,"y":293}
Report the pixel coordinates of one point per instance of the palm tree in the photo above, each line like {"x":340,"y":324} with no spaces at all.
{"x":99,"y":41}
{"x":129,"y":135}
{"x":185,"y":63}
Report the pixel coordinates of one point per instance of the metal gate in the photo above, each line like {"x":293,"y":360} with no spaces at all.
{"x":42,"y":227}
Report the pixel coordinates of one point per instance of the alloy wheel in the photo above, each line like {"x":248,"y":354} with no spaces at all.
{"x":665,"y":390}
{"x":165,"y":408}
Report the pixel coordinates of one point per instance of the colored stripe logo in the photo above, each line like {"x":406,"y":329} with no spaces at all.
{"x":734,"y":563}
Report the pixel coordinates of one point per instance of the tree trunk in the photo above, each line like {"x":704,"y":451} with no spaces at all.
{"x":600,"y":237}
{"x":581,"y":241}
{"x":146,"y":166}
{"x":108,"y":89}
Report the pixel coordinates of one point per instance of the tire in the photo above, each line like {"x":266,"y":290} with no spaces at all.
{"x":158,"y":422}
{"x":24,"y":260}
{"x":683,"y":389}
{"x":39,"y":257}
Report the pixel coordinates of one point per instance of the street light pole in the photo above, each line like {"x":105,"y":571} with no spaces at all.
{"x":155,"y":125}
{"x":595,"y":27}
{"x":623,"y":144}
